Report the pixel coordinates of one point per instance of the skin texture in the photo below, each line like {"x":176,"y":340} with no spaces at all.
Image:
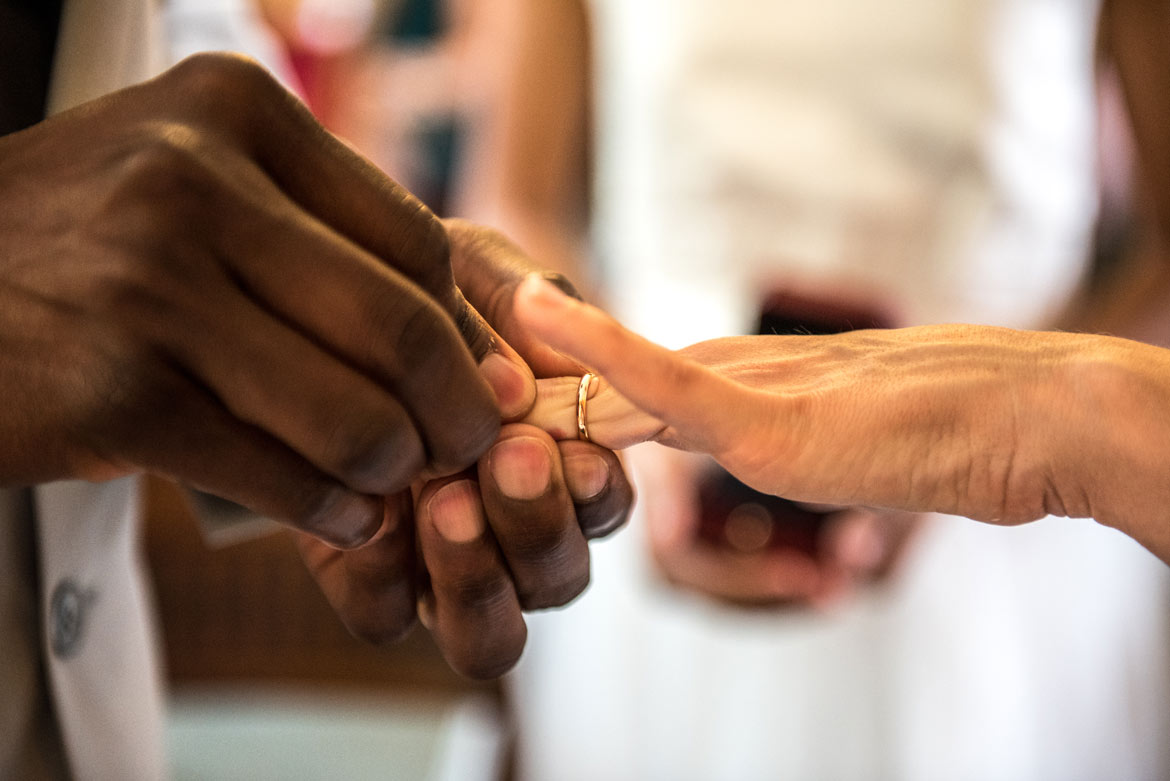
{"x":510,"y":535}
{"x":198,"y":281}
{"x":179,"y":265}
{"x":998,"y":425}
{"x":504,"y":536}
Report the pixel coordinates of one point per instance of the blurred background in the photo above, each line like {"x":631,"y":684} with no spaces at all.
{"x":709,"y":167}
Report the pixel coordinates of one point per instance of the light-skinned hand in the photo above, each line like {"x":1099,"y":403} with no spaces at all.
{"x":994,"y":424}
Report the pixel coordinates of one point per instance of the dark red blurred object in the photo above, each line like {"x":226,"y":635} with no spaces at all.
{"x":737,"y":517}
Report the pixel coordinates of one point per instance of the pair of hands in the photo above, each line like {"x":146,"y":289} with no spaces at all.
{"x":197,"y":280}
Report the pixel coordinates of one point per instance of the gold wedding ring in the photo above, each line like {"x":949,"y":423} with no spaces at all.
{"x":582,"y":400}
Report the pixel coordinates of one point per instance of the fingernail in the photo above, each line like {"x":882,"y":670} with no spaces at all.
{"x":543,"y":293}
{"x":349,"y":521}
{"x":514,"y":389}
{"x":562,"y":283}
{"x":456,"y":512}
{"x":586,"y":475}
{"x":522,"y":468}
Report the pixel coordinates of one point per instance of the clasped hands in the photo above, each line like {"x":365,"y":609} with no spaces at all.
{"x":198,"y":281}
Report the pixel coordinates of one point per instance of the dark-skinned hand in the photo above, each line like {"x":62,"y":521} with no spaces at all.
{"x":198,"y":281}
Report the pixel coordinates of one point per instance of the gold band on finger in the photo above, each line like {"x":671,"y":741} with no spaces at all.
{"x":582,"y":400}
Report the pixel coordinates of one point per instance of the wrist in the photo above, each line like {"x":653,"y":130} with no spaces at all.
{"x":1114,"y":438}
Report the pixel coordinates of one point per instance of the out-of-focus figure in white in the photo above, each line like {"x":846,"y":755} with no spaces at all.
{"x":930,"y":160}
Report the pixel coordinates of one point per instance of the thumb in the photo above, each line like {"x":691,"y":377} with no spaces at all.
{"x":489,"y":268}
{"x":692,"y":403}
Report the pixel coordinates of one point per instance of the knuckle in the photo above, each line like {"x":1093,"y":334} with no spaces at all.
{"x":148,"y":287}
{"x":164,"y":165}
{"x":133,"y":392}
{"x":471,"y":243}
{"x":432,"y":244}
{"x":127,"y":289}
{"x":489,"y":596}
{"x":472,"y":328}
{"x":212,"y":79}
{"x":464,"y":230}
{"x":543,"y":545}
{"x":561,"y":588}
{"x":478,"y":426}
{"x":424,"y":332}
{"x":551,"y":566}
{"x":158,"y":198}
{"x":491,"y":266}
{"x":144,"y":298}
{"x":424,"y":248}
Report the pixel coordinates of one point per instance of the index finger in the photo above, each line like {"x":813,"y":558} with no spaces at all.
{"x":691,"y":400}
